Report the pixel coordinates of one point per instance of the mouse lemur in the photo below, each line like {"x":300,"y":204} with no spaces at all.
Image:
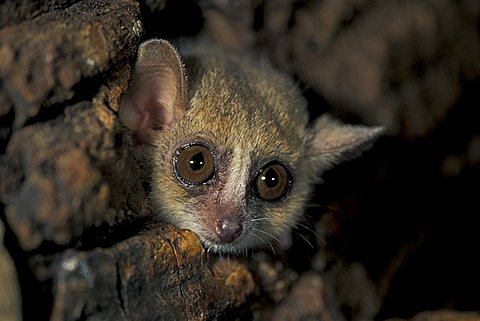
{"x":233,"y":158}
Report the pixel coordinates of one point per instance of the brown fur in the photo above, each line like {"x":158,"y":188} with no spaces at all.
{"x":249,"y":115}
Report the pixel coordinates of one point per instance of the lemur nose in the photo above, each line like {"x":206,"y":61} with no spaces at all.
{"x":228,"y":229}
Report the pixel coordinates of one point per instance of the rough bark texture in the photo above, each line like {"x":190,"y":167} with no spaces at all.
{"x":444,"y":315}
{"x":396,"y":232}
{"x":162,"y":275}
{"x":10,"y":305}
{"x":390,"y":64}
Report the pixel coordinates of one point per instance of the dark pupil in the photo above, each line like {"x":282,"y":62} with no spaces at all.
{"x":270,"y":178}
{"x":197,"y":161}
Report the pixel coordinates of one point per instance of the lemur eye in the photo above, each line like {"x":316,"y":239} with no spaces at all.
{"x":273,"y":182}
{"x":194,"y":164}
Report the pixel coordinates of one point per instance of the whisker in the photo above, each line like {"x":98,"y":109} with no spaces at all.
{"x":330,"y":208}
{"x":303,"y":237}
{"x":308,"y":228}
{"x":264,"y":240}
{"x":270,"y":235}
{"x":271,"y":246}
{"x":259,"y":219}
{"x":220,"y":254}
{"x":208,"y":251}
{"x":258,"y":236}
{"x":270,"y":243}
{"x":316,"y":205}
{"x":322,"y":240}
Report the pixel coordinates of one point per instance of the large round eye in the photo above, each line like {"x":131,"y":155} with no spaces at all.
{"x":273,"y":182}
{"x":194,"y":164}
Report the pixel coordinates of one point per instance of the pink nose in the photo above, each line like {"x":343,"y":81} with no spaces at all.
{"x":228,"y":229}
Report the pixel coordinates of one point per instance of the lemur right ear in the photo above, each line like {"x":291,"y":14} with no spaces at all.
{"x":332,"y":142}
{"x":156,"y":95}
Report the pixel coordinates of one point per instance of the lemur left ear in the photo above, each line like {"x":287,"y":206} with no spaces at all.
{"x":156,"y":95}
{"x":332,"y":142}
